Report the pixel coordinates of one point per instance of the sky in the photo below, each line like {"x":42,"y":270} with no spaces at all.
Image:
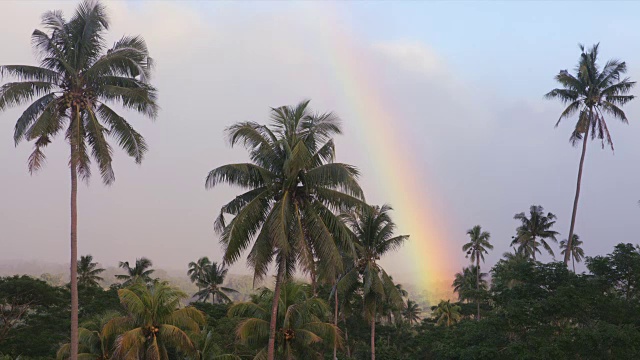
{"x":442,"y":110}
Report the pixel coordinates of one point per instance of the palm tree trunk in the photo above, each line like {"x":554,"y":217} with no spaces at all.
{"x":346,"y":336}
{"x":575,"y":201}
{"x":271,"y":350}
{"x":74,"y":256}
{"x":535,"y":247}
{"x":573,"y":260}
{"x":478,"y":285}
{"x":373,"y":336}
{"x":335,"y":321}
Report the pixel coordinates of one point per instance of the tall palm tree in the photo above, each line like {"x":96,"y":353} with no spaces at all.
{"x":475,"y":249}
{"x":534,"y":230}
{"x":412,"y":312}
{"x":300,"y":317}
{"x":95,"y":342}
{"x":210,"y":284}
{"x":469,"y":284}
{"x":373,"y":233}
{"x":576,"y":252}
{"x":154,"y":323}
{"x":71,"y":92}
{"x":141,"y":271}
{"x":592,"y":92}
{"x":446,"y":313}
{"x":89,"y":272}
{"x":197,"y":269}
{"x":292,"y":186}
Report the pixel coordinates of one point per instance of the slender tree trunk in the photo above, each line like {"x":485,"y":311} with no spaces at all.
{"x":478,"y":285}
{"x":573,"y":260}
{"x":74,"y":255}
{"x":346,"y":335}
{"x":535,"y":249}
{"x":373,"y":336}
{"x":271,"y":350}
{"x":335,"y":321}
{"x":575,"y":201}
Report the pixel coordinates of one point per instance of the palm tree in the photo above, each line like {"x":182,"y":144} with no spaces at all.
{"x":292,"y":186}
{"x":412,"y":312}
{"x":140,"y":272}
{"x":447,"y":313}
{"x":95,"y":342}
{"x":71,"y":92}
{"x":210,"y":282}
{"x":154,"y":323}
{"x":89,"y":272}
{"x":475,"y":249}
{"x":591,"y":92}
{"x":576,"y":251}
{"x":469,"y":284}
{"x":300,"y":318}
{"x":373,"y":233}
{"x":534,"y":230}
{"x":197,"y":269}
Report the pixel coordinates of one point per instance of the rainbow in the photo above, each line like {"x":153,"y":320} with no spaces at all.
{"x":432,"y":256}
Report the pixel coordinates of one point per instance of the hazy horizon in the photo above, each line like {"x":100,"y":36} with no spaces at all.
{"x":467,"y":105}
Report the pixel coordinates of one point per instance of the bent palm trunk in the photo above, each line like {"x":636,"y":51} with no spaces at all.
{"x":74,"y":258}
{"x":575,"y":201}
{"x":271,"y":350}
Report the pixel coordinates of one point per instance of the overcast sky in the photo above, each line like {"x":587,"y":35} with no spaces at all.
{"x":464,"y":80}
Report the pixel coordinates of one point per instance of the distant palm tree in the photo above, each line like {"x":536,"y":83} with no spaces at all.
{"x":210,"y":284}
{"x":154,"y":320}
{"x":141,"y":271}
{"x":373,"y":231}
{"x":412,"y":312}
{"x":197,"y":269}
{"x":576,"y":252}
{"x":300,"y":318}
{"x":475,"y":249}
{"x":292,"y":187}
{"x":534,"y":230}
{"x":591,"y":92}
{"x":94,"y":341}
{"x":469,"y":284}
{"x":89,"y":272}
{"x":446,"y":313}
{"x":72,"y":92}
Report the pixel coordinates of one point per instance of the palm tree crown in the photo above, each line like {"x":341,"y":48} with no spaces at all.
{"x":210,"y":284}
{"x":198,"y":268}
{"x":469,"y":284}
{"x":77,"y":81}
{"x":478,"y":244}
{"x":293,"y":184}
{"x":574,"y":248}
{"x":154,"y":323}
{"x":534,"y":230}
{"x":412,"y":312}
{"x":446,"y":313}
{"x":141,"y":271}
{"x":89,"y":272}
